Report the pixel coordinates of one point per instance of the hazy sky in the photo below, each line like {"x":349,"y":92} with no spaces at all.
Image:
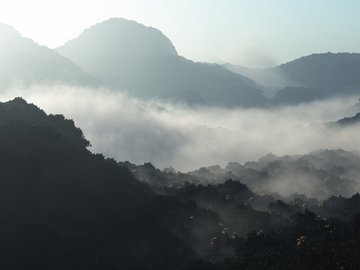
{"x":251,"y":32}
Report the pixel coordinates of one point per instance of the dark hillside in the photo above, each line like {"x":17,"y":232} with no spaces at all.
{"x":65,"y":208}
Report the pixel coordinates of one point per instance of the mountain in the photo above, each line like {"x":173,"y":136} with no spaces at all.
{"x":268,"y":80}
{"x":63,"y":207}
{"x":318,"y":174}
{"x":339,"y":72}
{"x":300,"y":94}
{"x":309,"y":78}
{"x":23,"y":61}
{"x":143,"y":61}
{"x":347,"y":121}
{"x":233,"y":227}
{"x":322,"y":76}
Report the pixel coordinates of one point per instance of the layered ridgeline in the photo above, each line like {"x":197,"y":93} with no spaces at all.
{"x":309,"y":78}
{"x":319,"y":174}
{"x":25,"y":62}
{"x":128,"y":56}
{"x":63,"y":207}
{"x":142,"y":61}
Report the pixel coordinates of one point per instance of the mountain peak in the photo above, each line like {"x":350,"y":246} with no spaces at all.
{"x":127,"y":37}
{"x":7,"y":32}
{"x":143,"y":62}
{"x":26,"y":62}
{"x":20,"y":111}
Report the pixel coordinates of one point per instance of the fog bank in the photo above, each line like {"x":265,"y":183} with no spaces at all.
{"x":186,"y":138}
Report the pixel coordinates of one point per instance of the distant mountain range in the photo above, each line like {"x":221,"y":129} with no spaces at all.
{"x":23,"y":61}
{"x":144,"y":62}
{"x":308,"y":78}
{"x":141,"y":61}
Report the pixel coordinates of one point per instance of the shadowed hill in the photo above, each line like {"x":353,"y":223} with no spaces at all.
{"x":63,"y":207}
{"x":20,"y":112}
{"x":347,"y":121}
{"x":142,"y":61}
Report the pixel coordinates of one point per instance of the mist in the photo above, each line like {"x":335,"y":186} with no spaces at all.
{"x":175,"y":135}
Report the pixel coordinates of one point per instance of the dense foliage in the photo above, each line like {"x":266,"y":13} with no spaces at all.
{"x":63,"y":207}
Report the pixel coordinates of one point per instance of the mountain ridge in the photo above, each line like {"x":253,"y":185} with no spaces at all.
{"x":63,"y":206}
{"x":154,"y":72}
{"x":26,"y":62}
{"x":308,"y":78}
{"x":141,"y":61}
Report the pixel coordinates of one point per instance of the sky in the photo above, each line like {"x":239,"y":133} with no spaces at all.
{"x":253,"y":33}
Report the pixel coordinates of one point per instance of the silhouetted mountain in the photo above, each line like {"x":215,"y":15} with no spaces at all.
{"x":308,"y":78}
{"x":347,"y":121}
{"x":63,"y":207}
{"x":143,"y":62}
{"x":25,"y":62}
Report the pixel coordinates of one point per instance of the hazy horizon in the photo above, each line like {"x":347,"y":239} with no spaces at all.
{"x":252,"y":34}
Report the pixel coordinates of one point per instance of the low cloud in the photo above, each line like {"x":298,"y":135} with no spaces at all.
{"x":186,"y":138}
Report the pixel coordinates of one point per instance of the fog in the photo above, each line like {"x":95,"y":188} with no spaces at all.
{"x":186,"y":138}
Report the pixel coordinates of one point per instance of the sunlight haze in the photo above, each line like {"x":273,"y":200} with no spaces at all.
{"x":255,"y":33}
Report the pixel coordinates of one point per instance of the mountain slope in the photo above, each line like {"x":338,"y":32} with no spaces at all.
{"x":23,"y":61}
{"x":339,"y":72}
{"x":309,"y":78}
{"x":321,"y":76}
{"x":347,"y":121}
{"x":65,"y":208}
{"x":141,"y":60}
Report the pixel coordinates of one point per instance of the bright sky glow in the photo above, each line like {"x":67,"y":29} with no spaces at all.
{"x":251,"y":32}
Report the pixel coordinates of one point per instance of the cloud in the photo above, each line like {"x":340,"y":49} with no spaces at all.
{"x":187,"y":138}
